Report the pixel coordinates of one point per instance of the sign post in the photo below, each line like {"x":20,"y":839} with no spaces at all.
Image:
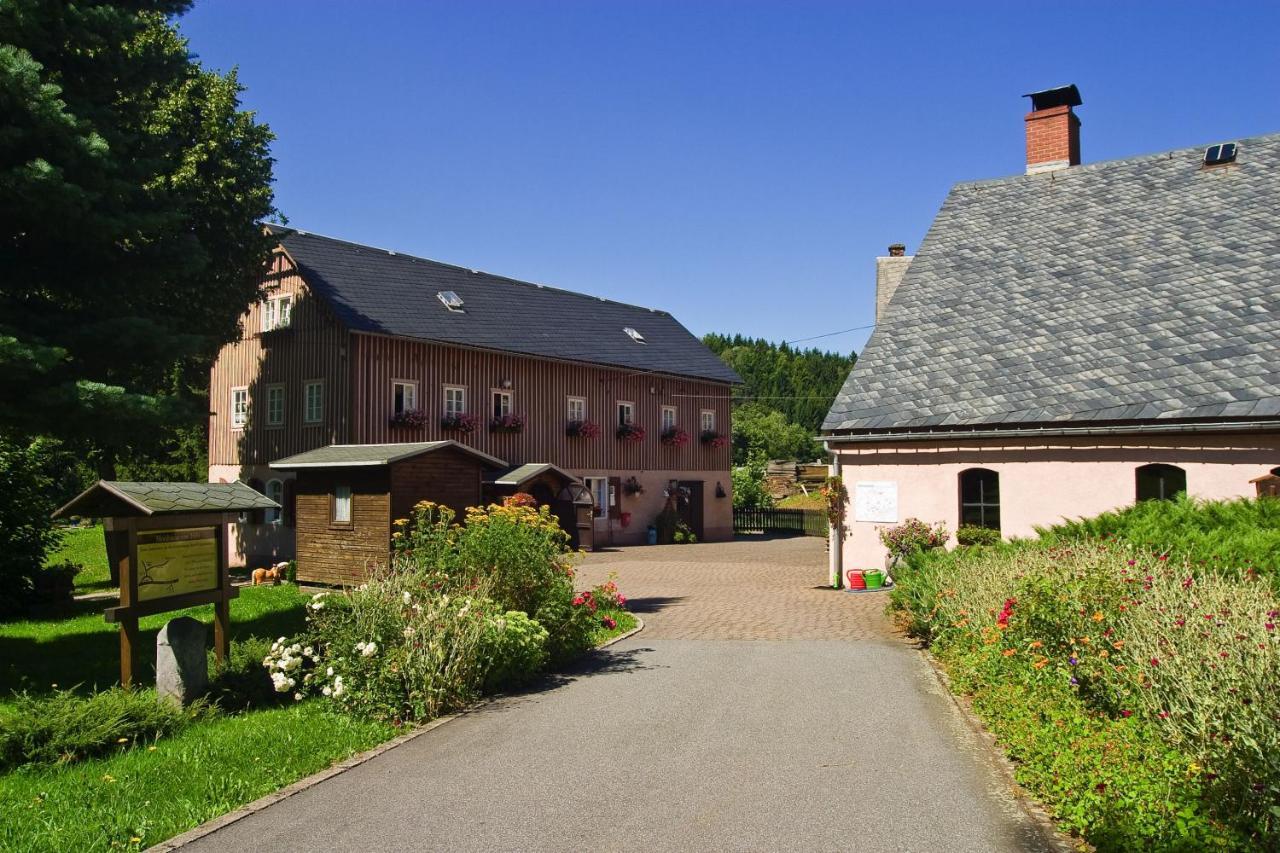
{"x":168,"y":542}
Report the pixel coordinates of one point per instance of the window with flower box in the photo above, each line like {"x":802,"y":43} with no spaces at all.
{"x":455,"y":400}
{"x":626,"y":413}
{"x":668,"y":418}
{"x":404,"y":396}
{"x":577,"y":409}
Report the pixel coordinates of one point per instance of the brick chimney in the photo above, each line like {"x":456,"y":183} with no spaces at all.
{"x":1053,"y":130}
{"x":889,"y":273}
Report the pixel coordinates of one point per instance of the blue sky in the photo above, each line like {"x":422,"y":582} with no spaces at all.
{"x":739,"y":164}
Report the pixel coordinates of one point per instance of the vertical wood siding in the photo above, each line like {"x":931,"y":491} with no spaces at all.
{"x":315,"y":346}
{"x":540,"y":390}
{"x":342,"y":554}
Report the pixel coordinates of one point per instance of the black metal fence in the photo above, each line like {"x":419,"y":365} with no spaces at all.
{"x":810,"y":522}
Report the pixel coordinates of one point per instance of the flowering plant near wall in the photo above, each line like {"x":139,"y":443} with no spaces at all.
{"x":675,"y":437}
{"x":507,"y":423}
{"x":409,"y":419}
{"x":631,"y":432}
{"x":463,"y":423}
{"x":582,"y":429}
{"x":913,"y":535}
{"x":836,"y":497}
{"x":711,"y":438}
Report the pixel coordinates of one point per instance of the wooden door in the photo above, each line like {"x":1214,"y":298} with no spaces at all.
{"x":691,"y":508}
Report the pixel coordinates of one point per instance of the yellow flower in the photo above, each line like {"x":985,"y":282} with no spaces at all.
{"x":1084,"y":640}
{"x":108,"y":778}
{"x":1193,"y":768}
{"x":1097,"y":617}
{"x":1040,"y":664}
{"x":1008,"y":652}
{"x":1035,"y":644}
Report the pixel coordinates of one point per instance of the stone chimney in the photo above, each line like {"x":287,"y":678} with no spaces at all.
{"x":1053,"y":130}
{"x":889,"y":273}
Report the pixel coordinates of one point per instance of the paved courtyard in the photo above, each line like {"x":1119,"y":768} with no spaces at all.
{"x":756,"y":711}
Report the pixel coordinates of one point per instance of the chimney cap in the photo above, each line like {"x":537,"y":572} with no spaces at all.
{"x":897,"y":250}
{"x":1062,"y":96}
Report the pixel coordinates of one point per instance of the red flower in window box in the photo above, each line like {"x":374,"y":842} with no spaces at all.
{"x":675,"y":437}
{"x":711,"y":438}
{"x":507,"y":423}
{"x":631,"y":432}
{"x":582,"y":429}
{"x":409,"y":419}
{"x":458,"y":423}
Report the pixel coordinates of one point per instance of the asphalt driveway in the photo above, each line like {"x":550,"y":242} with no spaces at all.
{"x":755,"y":712}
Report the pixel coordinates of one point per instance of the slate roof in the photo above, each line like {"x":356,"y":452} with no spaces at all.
{"x":374,"y":290}
{"x":362,"y":455}
{"x":117,"y":497}
{"x":1133,"y":290}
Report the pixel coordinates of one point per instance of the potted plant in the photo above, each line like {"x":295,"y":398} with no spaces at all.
{"x":507,"y":423}
{"x":582,"y":429}
{"x":409,"y":419}
{"x":631,"y":486}
{"x":675,"y":437}
{"x":711,"y":438}
{"x":462,"y":422}
{"x":631,"y":432}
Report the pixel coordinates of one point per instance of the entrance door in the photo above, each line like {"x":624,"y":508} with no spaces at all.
{"x":691,"y":509}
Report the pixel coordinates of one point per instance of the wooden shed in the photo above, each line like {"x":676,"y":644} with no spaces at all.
{"x":348,"y":495}
{"x":569,"y":499}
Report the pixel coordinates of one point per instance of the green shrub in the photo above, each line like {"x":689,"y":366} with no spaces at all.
{"x":912,"y":536}
{"x":1241,"y":534}
{"x":63,"y":726}
{"x":26,"y":529}
{"x":243,"y":683}
{"x":971,"y":534}
{"x":569,"y":621}
{"x":514,"y":651}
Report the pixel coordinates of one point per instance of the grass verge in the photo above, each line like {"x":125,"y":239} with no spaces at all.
{"x":85,"y":547}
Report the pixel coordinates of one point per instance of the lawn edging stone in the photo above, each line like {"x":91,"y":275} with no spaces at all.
{"x":211,"y":826}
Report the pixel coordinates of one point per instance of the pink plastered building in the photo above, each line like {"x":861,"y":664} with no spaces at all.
{"x":1069,"y":341}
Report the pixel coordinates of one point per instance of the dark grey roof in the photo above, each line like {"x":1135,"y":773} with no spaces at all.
{"x":521,"y":474}
{"x":374,"y":290}
{"x":359,"y":455}
{"x":1131,"y":290}
{"x":116,"y":497}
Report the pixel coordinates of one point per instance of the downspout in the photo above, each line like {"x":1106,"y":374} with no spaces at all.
{"x":835,"y":534}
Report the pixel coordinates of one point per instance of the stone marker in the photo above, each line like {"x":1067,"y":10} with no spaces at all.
{"x":182,"y":665}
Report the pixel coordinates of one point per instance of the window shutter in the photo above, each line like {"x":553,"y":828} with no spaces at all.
{"x":289,"y":515}
{"x":615,"y":488}
{"x":257,"y":516}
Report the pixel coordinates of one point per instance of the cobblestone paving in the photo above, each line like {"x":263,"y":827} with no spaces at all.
{"x":769,"y":589}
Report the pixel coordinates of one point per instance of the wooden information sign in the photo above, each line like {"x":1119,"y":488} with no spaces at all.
{"x":168,"y":541}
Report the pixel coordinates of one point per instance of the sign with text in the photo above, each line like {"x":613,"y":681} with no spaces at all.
{"x":876,"y":500}
{"x":173,"y":562}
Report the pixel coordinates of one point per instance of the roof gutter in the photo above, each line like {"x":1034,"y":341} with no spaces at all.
{"x":1053,"y":431}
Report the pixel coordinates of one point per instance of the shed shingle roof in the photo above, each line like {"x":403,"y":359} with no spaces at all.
{"x":359,"y":455}
{"x":374,"y":290}
{"x":116,"y":497}
{"x":1138,"y":289}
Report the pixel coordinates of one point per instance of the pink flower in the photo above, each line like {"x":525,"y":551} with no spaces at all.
{"x":1126,"y":713}
{"x":609,"y":622}
{"x":1270,"y":626}
{"x":622,"y":600}
{"x":1155,"y":661}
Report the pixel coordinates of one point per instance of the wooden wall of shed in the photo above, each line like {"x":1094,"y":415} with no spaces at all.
{"x":331,"y":554}
{"x":315,"y":346}
{"x":449,"y":477}
{"x":540,"y":391}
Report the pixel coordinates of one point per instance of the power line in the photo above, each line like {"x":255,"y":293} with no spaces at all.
{"x":831,"y":334}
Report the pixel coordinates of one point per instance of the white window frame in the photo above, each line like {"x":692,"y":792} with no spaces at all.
{"x":306,"y":402}
{"x":275,"y":414}
{"x":450,"y":408}
{"x":343,"y":507}
{"x":707,"y":420}
{"x":277,"y":312}
{"x":503,"y":408}
{"x":600,"y":495}
{"x":631,"y":412}
{"x":272,"y":516}
{"x":239,"y":414}
{"x":408,"y":396}
{"x":581,"y":414}
{"x":668,"y":422}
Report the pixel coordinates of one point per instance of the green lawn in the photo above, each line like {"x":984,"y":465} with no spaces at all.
{"x":146,"y":795}
{"x":84,"y":546}
{"x":813,"y":500}
{"x":77,"y":647}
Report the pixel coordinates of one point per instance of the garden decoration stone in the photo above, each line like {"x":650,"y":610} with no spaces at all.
{"x":182,"y":665}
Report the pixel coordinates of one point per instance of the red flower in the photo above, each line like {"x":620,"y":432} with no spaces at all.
{"x":1126,"y":713}
{"x":1155,"y":661}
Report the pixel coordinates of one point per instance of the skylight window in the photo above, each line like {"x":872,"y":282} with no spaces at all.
{"x":634,"y":335}
{"x":1223,"y":152}
{"x":450,"y":300}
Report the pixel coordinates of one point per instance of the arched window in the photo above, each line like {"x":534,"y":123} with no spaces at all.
{"x":275,"y":491}
{"x":1160,"y":482}
{"x":980,"y":498}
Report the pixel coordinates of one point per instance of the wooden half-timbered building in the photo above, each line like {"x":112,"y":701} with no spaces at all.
{"x":354,"y":345}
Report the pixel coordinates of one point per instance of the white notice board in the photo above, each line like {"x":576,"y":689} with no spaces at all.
{"x":876,"y":500}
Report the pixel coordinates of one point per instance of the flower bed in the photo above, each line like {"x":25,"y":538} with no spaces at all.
{"x":675,"y":437}
{"x":631,"y":432}
{"x":409,"y":419}
{"x":507,"y":423}
{"x":711,"y":438}
{"x":462,"y":423}
{"x":1139,"y":692}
